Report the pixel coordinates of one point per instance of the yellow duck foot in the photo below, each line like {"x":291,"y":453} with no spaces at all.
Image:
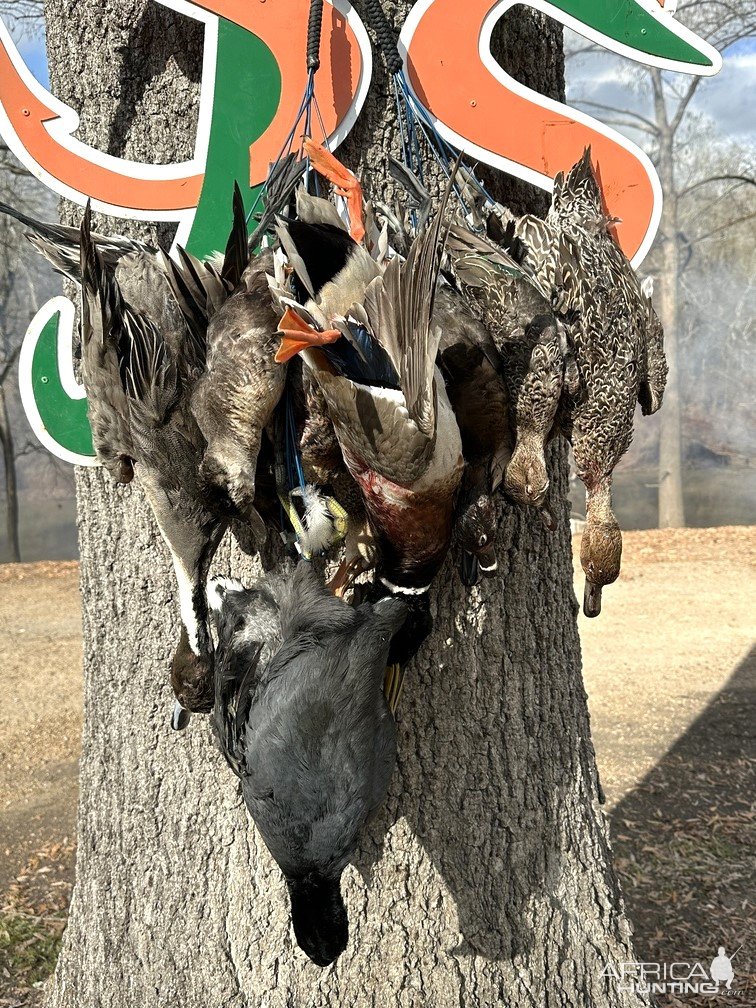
{"x":343,"y":181}
{"x":393,"y":684}
{"x":592,"y":599}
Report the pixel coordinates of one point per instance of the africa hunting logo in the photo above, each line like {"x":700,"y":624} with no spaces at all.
{"x":676,"y":978}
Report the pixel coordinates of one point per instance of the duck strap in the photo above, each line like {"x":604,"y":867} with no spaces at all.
{"x":385,"y":35}
{"x":314,"y":26}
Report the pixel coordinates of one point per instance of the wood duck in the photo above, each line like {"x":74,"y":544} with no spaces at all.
{"x":367,"y":336}
{"x":308,"y":733}
{"x":618,"y":347}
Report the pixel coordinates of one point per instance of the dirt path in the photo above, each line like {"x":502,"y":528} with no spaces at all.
{"x":40,"y":721}
{"x":672,"y":693}
{"x":672,"y":632}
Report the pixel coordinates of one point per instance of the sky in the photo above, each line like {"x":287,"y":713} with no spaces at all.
{"x":727,"y":99}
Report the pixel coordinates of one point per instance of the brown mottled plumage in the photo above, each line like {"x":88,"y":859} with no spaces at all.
{"x":235,"y":397}
{"x":619,"y":353}
{"x":518,"y":315}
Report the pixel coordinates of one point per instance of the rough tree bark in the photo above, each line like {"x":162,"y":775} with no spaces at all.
{"x":487,"y":878}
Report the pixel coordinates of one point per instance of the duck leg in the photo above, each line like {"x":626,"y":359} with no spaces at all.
{"x":343,"y":181}
{"x":360,"y":556}
{"x":601,"y":545}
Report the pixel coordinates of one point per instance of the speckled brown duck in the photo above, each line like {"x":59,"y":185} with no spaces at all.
{"x":618,"y":350}
{"x":530,"y":344}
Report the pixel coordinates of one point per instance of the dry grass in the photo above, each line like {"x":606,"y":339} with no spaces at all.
{"x":32,"y":921}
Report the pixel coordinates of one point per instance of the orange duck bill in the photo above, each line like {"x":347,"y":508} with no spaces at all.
{"x":343,"y":181}
{"x":298,"y":335}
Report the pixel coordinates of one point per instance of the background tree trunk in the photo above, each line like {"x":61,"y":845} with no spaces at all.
{"x":9,"y":477}
{"x":671,"y":500}
{"x":487,"y":878}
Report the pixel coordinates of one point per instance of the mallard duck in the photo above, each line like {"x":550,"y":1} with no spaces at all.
{"x":143,"y":378}
{"x":367,"y":336}
{"x":308,"y":733}
{"x":618,"y":348}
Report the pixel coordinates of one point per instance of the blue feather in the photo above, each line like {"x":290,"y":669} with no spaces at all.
{"x":366,"y":363}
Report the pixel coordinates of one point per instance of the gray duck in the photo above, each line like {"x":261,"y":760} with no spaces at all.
{"x":308,"y":733}
{"x":143,"y":377}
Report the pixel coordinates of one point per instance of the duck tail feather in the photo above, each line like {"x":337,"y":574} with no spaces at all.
{"x":413,"y":286}
{"x":236,"y":255}
{"x":283,"y":178}
{"x":418,"y":197}
{"x":56,"y":242}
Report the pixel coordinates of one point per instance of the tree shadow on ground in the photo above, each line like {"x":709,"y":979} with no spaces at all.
{"x":684,"y":840}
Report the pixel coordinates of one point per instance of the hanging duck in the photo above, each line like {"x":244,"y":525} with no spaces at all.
{"x":140,"y":378}
{"x":367,"y":336}
{"x":308,"y":733}
{"x":471,"y":366}
{"x":531,"y":345}
{"x":619,"y":353}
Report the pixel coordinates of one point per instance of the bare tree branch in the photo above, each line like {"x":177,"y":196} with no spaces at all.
{"x":723,"y":227}
{"x":743,"y":179}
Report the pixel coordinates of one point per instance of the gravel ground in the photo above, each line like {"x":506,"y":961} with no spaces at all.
{"x":671,"y":679}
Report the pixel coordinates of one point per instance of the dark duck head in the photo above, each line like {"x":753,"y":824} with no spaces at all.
{"x":307,"y":731}
{"x":476,"y":532}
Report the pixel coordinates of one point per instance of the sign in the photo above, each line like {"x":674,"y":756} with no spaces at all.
{"x":253,"y":78}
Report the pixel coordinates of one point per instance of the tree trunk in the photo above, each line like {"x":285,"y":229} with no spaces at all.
{"x":671,"y":501}
{"x":487,"y":877}
{"x":11,"y":488}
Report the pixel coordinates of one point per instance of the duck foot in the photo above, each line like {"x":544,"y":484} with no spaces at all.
{"x":393,"y":684}
{"x":180,"y":717}
{"x":345,"y":576}
{"x":592,"y":599}
{"x":343,"y":181}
